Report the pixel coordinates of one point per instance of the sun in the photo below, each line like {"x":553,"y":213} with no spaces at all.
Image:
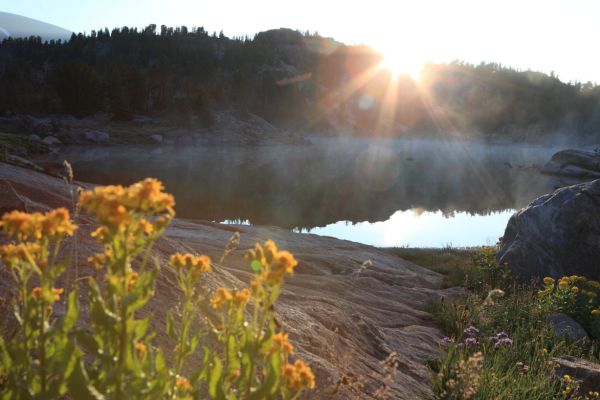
{"x":401,"y":64}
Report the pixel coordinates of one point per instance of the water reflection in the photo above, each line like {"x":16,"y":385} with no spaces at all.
{"x":423,"y":229}
{"x":335,"y":180}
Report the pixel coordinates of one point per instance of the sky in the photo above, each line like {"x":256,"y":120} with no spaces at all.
{"x":545,"y":36}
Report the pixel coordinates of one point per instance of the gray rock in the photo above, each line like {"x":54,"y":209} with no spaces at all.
{"x":574,"y":163}
{"x":584,"y":371}
{"x":96,"y":136}
{"x":51,"y":141}
{"x":563,"y":325}
{"x":157,"y":138}
{"x":557,"y":234}
{"x":344,"y":318}
{"x":34,"y":138}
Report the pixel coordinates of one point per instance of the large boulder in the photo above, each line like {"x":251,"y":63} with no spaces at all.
{"x":585,"y":372}
{"x":564,"y":326}
{"x":574,"y":164}
{"x":557,"y":234}
{"x":344,"y":317}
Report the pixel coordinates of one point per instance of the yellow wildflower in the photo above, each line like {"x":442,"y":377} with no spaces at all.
{"x":280,"y":342}
{"x":234,"y":375}
{"x":57,"y":292}
{"x":548,"y":281}
{"x":146,"y":227}
{"x":115,"y":206}
{"x":241,"y":297}
{"x":182,"y":383}
{"x":596,"y":312}
{"x":101,"y":259}
{"x":133,"y":278}
{"x":195,"y":264}
{"x":285,"y":260}
{"x":563,"y":284}
{"x":22,"y":225}
{"x":140,"y":348}
{"x":298,"y":376}
{"x":36,"y":292}
{"x":13,"y":254}
{"x":57,"y":223}
{"x":575,"y":289}
{"x":221,"y":297}
{"x":101,"y":234}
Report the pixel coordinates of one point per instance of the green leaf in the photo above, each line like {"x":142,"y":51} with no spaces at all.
{"x":79,"y":386}
{"x":269,"y":387}
{"x":72,"y":312}
{"x":171,"y":326}
{"x":141,"y":328}
{"x":234,"y":362}
{"x":215,"y":389}
{"x":87,"y":341}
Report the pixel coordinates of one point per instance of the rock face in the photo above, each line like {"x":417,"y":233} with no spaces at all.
{"x":574,"y":164}
{"x":563,"y":325}
{"x":557,"y":234}
{"x":586,"y":372}
{"x":343,"y":319}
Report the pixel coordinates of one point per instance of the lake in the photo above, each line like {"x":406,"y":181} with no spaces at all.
{"x":417,"y":193}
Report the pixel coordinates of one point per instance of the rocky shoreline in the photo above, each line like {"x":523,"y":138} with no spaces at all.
{"x":345,"y":317}
{"x":44,"y":133}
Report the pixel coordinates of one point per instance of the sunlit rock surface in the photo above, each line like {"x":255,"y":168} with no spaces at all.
{"x":343,"y":319}
{"x":556,"y":235}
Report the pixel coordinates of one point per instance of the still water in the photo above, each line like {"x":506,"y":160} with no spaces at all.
{"x":418,"y":193}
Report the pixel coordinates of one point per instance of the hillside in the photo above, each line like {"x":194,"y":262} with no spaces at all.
{"x":295,"y":80}
{"x":18,"y":26}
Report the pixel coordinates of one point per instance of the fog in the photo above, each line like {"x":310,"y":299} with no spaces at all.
{"x":333,"y":180}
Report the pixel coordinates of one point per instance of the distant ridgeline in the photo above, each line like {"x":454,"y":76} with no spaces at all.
{"x":297,"y":80}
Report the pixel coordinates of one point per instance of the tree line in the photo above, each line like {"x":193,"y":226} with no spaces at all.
{"x":295,"y":79}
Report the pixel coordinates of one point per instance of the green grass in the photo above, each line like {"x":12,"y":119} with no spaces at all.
{"x":519,"y":313}
{"x":454,"y":264}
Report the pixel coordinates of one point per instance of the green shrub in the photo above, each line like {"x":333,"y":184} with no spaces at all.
{"x":576,"y":296}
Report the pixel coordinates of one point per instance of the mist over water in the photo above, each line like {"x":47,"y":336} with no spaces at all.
{"x":384,"y":192}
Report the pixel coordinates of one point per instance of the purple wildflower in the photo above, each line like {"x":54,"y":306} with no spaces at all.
{"x":471,"y":341}
{"x":493,"y":340}
{"x":502,"y":335}
{"x":447,"y":340}
{"x":506,"y":341}
{"x":471,"y":331}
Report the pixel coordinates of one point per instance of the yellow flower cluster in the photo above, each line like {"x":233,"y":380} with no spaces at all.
{"x":182,"y":383}
{"x":571,"y":288}
{"x":298,"y":376}
{"x":587,"y":287}
{"x":24,"y":226}
{"x":280,"y":342}
{"x":225,"y":298}
{"x":13,"y":254}
{"x":194,"y":264}
{"x":114,"y":205}
{"x":101,"y":259}
{"x":140,"y":348}
{"x":36,"y":293}
{"x":273,"y":264}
